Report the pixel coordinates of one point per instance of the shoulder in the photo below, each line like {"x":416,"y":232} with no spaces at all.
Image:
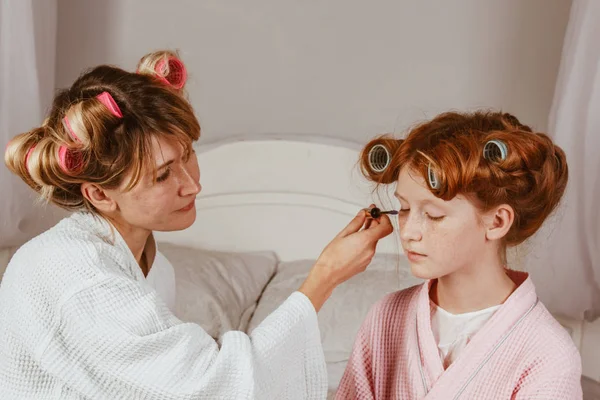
{"x":398,"y":301}
{"x":63,"y":258}
{"x":548,"y":343}
{"x":394,"y":307}
{"x":549,"y":362}
{"x":49,"y":270}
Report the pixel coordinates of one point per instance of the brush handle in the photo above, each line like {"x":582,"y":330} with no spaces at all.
{"x":376,"y":212}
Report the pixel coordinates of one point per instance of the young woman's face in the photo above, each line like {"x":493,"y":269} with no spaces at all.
{"x":439,"y":237}
{"x":167,"y":204}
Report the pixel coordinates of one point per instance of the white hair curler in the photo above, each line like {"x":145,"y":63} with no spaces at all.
{"x":434,"y":182}
{"x":379,"y":158}
{"x":495,"y":150}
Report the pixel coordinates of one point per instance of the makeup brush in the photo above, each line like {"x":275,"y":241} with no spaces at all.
{"x":376,"y":212}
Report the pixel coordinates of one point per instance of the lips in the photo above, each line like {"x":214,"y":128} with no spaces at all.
{"x":188,"y":207}
{"x":415,"y":257}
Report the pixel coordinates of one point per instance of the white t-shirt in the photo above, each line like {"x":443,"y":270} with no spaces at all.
{"x":453,"y":332}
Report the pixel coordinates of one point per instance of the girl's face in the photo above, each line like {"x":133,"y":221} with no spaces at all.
{"x":439,"y":237}
{"x":168,"y":203}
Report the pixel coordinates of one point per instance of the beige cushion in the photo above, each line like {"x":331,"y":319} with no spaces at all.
{"x":341,"y":316}
{"x":218,"y":290}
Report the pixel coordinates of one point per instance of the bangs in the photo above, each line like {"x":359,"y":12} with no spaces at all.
{"x":143,"y":158}
{"x":454,"y":164}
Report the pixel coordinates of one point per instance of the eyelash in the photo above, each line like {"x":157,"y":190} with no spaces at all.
{"x":164,"y":176}
{"x":428,"y":216}
{"x":435,"y":218}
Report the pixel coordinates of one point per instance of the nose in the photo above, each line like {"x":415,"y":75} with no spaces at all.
{"x":191,"y":184}
{"x":191,"y":187}
{"x":410,"y":229}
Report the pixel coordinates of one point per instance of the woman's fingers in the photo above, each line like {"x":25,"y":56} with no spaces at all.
{"x":354,"y":225}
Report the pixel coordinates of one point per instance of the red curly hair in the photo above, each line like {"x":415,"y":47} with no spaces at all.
{"x":531,"y":179}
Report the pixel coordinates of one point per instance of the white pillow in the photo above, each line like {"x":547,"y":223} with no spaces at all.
{"x":218,"y":290}
{"x":344,"y":312}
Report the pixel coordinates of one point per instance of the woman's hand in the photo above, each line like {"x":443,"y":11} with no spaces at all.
{"x":346,"y":255}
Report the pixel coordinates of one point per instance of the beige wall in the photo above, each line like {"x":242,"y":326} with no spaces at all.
{"x":339,"y":68}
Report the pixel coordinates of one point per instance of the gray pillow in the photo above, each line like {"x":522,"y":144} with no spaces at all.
{"x":218,"y":290}
{"x":343,"y":313}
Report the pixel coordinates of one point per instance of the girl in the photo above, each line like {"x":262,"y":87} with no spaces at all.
{"x":469,"y":186}
{"x":78,"y":316}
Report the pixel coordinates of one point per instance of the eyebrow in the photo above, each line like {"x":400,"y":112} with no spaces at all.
{"x":426,"y":201}
{"x":165,"y":165}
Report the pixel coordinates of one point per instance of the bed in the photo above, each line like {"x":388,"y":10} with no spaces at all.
{"x":267,"y":209}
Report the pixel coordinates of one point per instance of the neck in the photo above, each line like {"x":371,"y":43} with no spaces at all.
{"x":135,"y":238}
{"x":473,"y":289}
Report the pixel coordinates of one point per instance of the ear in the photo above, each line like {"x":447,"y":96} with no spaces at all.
{"x":101,"y":199}
{"x":498,"y":222}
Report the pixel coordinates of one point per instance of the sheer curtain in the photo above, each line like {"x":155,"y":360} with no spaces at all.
{"x":27,"y":60}
{"x":566,"y":268}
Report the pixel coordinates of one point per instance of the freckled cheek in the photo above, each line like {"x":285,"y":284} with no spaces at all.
{"x":455,"y":244}
{"x":447,"y":248}
{"x":439,"y":241}
{"x":152,"y":202}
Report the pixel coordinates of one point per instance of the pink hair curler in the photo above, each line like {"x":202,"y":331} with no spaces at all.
{"x":70,"y":130}
{"x":110,"y":103}
{"x":177,"y":72}
{"x":29,"y":155}
{"x":69,"y":160}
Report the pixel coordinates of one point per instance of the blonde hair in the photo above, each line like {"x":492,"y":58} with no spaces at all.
{"x":103,"y":147}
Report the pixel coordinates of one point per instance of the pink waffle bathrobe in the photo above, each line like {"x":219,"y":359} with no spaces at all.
{"x":522,"y":352}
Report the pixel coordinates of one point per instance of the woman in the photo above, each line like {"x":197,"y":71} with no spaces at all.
{"x":469,"y":185}
{"x":78,"y":319}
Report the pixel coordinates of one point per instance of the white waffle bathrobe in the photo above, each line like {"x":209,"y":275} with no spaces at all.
{"x":79,"y":321}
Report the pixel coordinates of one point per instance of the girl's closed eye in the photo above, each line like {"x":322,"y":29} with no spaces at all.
{"x":405,"y":211}
{"x":435,"y":217}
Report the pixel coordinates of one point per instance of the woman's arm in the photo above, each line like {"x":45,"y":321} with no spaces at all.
{"x":348,"y":254}
{"x":116,"y":339}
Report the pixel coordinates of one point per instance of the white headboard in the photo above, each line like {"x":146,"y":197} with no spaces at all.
{"x":286,"y":196}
